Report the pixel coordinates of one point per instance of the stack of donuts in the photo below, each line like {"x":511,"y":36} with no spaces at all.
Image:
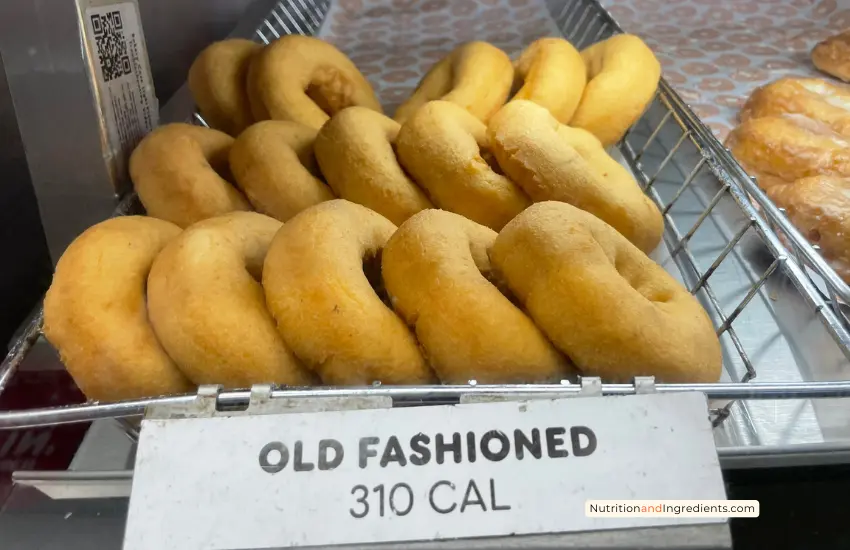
{"x":483,"y":233}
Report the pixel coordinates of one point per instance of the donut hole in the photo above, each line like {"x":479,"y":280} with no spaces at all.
{"x":488,"y":157}
{"x":372,"y":271}
{"x":330,"y":90}
{"x":814,"y":236}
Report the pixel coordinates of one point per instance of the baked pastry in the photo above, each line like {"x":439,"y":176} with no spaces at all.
{"x":476,"y":75}
{"x":356,"y":155}
{"x":551,"y":73}
{"x":181,"y":174}
{"x":550,"y":161}
{"x":320,"y":278}
{"x":622,"y":77}
{"x":217,"y":81}
{"x":813,"y":97}
{"x":435,"y":269}
{"x":274,"y":165}
{"x":95,"y":312}
{"x":305,"y":80}
{"x":612,"y":310}
{"x":832,"y":56}
{"x":447,"y":151}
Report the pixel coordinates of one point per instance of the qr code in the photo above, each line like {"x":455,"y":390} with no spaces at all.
{"x":111,"y":45}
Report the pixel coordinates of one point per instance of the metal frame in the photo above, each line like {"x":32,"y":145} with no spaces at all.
{"x":583,"y":22}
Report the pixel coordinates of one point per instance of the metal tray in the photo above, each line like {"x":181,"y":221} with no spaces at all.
{"x":785,"y":348}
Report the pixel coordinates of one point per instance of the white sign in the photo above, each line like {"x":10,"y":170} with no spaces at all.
{"x":419,"y":473}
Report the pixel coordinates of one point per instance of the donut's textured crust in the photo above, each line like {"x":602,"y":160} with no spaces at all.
{"x":832,"y":56}
{"x":601,"y":301}
{"x":305,"y":80}
{"x":208,"y":308}
{"x":180,"y":172}
{"x":551,"y":73}
{"x":356,"y":155}
{"x":218,"y":79}
{"x":435,"y":269}
{"x":443,"y":147}
{"x":622,"y":76}
{"x":812,"y":97}
{"x":274,"y":165}
{"x":551,"y":161}
{"x":96,"y":317}
{"x":780,"y":149}
{"x":325,"y":307}
{"x":476,"y":75}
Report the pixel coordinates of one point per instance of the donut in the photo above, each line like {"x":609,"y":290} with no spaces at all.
{"x":274,"y":165}
{"x":181,"y":174}
{"x":95,"y":313}
{"x":208,"y":308}
{"x":551,"y":73}
{"x":602,"y":302}
{"x":832,"y":56}
{"x":217,"y":81}
{"x":356,"y":155}
{"x":305,"y":80}
{"x":446,"y":150}
{"x":819,"y":207}
{"x":551,"y":161}
{"x":476,"y":75}
{"x":320,"y":277}
{"x":622,"y":76}
{"x":435,"y":269}
{"x":812,"y":97}
{"x":787,"y":148}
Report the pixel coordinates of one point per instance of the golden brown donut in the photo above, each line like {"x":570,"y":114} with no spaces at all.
{"x":217,"y":81}
{"x":435,"y":269}
{"x":551,"y":161}
{"x":208,"y":308}
{"x":603,"y":302}
{"x":789,"y":147}
{"x":95,"y":313}
{"x":622,"y":76}
{"x":356,"y":155}
{"x":181,"y":174}
{"x":320,"y":277}
{"x":813,"y":97}
{"x":832,"y":56}
{"x":305,"y":80}
{"x":273,"y":164}
{"x":476,"y":75}
{"x":446,"y":150}
{"x":820,"y":208}
{"x":551,"y":73}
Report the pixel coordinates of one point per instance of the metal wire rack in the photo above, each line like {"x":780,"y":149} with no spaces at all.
{"x":699,"y":189}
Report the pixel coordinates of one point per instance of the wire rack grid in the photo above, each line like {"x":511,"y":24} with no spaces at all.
{"x":651,"y":148}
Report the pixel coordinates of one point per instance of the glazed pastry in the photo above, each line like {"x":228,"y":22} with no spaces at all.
{"x":813,"y":97}
{"x":832,"y":56}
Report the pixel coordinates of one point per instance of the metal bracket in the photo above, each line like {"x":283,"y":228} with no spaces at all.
{"x":644,"y":385}
{"x":591,"y":386}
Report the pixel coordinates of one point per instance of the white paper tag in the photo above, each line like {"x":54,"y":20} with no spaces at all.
{"x":419,"y":473}
{"x":123,"y":79}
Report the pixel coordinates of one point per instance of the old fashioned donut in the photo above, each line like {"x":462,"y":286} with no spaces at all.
{"x":305,"y":80}
{"x":601,"y":301}
{"x":217,"y":81}
{"x":476,"y":75}
{"x":622,"y":76}
{"x":435,"y":269}
{"x":785,"y":148}
{"x":320,"y":277}
{"x":208,"y":308}
{"x":812,"y":97}
{"x":551,"y":73}
{"x":355,"y":152}
{"x":832,"y":56}
{"x":274,"y":165}
{"x":551,"y":161}
{"x":96,"y":317}
{"x":181,"y":174}
{"x":446,"y":150}
{"x":820,"y":208}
